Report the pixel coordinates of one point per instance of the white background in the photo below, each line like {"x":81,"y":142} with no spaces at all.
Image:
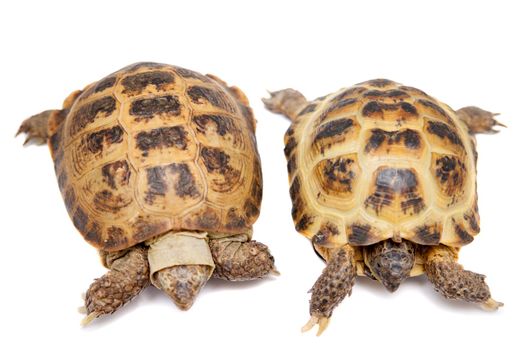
{"x":464,"y":53}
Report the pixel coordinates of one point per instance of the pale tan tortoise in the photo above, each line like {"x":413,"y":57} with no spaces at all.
{"x":159,"y":170}
{"x":383,"y":182}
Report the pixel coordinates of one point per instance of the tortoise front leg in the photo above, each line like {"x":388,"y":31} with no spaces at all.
{"x":334,"y":284}
{"x":128,"y":276}
{"x":478,"y":120}
{"x":241,"y":261}
{"x":453,"y":282}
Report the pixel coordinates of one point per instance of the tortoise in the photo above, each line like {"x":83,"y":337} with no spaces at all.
{"x":383,"y":182}
{"x":159,"y":170}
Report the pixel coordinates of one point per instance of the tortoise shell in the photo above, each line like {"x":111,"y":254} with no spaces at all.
{"x":381,"y":160}
{"x":153,"y":148}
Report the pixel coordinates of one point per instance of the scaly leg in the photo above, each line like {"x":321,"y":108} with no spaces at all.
{"x":287,"y":102}
{"x":478,"y":120}
{"x":36,"y":128}
{"x":241,"y":261}
{"x":453,"y":282}
{"x":334,"y":284}
{"x":128,"y":276}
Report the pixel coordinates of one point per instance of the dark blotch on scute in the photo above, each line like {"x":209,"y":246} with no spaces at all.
{"x":291,"y":165}
{"x":62,"y":180}
{"x":208,"y":220}
{"x":80,"y":219}
{"x":351,"y":92}
{"x":222,"y":124}
{"x":336,"y":106}
{"x":291,"y":144}
{"x":116,"y":174}
{"x":149,"y":107}
{"x":88,"y":113}
{"x":297,"y":203}
{"x":360,"y":234}
{"x":443,"y":131}
{"x":55,"y":141}
{"x":174,"y":136}
{"x":143,"y":229}
{"x":105,"y":84}
{"x":427,"y":235}
{"x":435,"y":107}
{"x":199,"y":95}
{"x":136,"y":83}
{"x":374,"y":107}
{"x":472,"y":221}
{"x":386,"y":94}
{"x":234,"y":220}
{"x":380,"y":83}
{"x":70,"y":200}
{"x":156,"y":177}
{"x":445,"y":166}
{"x":303,"y":224}
{"x":407,"y":107}
{"x":215,"y":160}
{"x":336,"y":127}
{"x":107,"y":201}
{"x":115,"y":237}
{"x":391,"y":182}
{"x":250,"y":209}
{"x":186,"y":73}
{"x":463,"y":235}
{"x":324,"y":234}
{"x":185,"y":184}
{"x":97,"y":141}
{"x":338,"y":173}
{"x":410,"y":138}
{"x":309,"y":108}
{"x":93,"y":234}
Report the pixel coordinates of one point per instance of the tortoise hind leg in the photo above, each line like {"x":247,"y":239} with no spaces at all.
{"x":334,"y":284}
{"x":288,"y":102}
{"x":43,"y":125}
{"x":241,"y":261}
{"x":478,"y":120}
{"x":128,"y":276}
{"x":453,"y":282}
{"x":36,"y":127}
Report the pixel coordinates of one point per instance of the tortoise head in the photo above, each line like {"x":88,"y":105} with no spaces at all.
{"x":390,"y":262}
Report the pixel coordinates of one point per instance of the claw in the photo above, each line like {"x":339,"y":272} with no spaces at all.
{"x":491,"y":305}
{"x":89,"y":318}
{"x":322,"y":322}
